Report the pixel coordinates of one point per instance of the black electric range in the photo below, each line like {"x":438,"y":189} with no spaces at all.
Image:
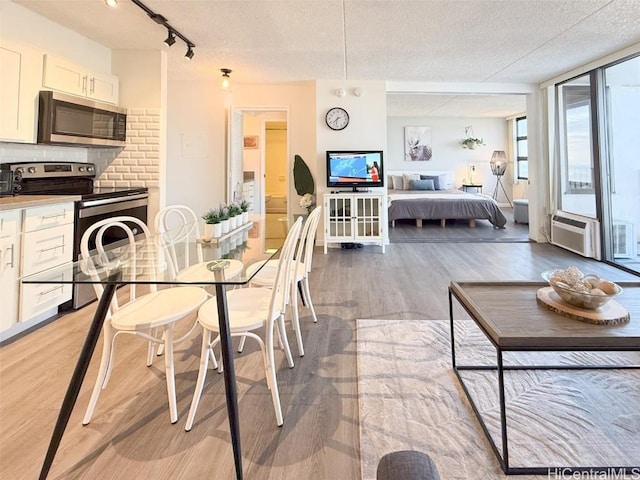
{"x":95,"y":204}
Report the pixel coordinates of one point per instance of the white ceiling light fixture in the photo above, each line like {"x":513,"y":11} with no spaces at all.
{"x":111,"y":3}
{"x":358,"y":92}
{"x":340,"y":92}
{"x":225,"y":79}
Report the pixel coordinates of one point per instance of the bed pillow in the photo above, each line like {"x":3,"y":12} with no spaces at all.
{"x":439,"y":181}
{"x":396,"y":182}
{"x":406,"y":180}
{"x":422,"y":185}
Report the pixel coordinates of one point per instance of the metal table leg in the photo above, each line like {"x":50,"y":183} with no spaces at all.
{"x":229,"y":377}
{"x":78,"y":374}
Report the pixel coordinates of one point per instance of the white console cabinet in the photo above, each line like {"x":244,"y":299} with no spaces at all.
{"x":354,"y":218}
{"x":68,"y":77}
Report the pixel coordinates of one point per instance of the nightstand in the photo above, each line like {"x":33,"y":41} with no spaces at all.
{"x":472,"y":188}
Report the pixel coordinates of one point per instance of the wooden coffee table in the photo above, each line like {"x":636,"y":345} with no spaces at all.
{"x":510,"y":318}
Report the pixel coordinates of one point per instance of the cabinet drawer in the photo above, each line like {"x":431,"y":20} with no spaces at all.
{"x":48,"y":248}
{"x":9,"y":221}
{"x":37,"y":218}
{"x":36,"y":298}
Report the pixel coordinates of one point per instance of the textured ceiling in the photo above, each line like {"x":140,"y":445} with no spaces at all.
{"x":268,"y":41}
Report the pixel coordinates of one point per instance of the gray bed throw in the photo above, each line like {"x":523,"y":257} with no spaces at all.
{"x":444,"y":204}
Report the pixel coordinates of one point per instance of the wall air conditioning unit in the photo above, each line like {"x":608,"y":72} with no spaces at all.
{"x":576,"y":233}
{"x":624,"y":240}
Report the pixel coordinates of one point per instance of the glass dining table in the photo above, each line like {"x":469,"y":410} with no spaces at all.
{"x":215,"y":264}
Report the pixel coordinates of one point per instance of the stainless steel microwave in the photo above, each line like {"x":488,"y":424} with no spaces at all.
{"x":69,"y":120}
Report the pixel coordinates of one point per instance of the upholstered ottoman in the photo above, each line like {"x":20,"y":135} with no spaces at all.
{"x":521,"y":210}
{"x":407,"y":465}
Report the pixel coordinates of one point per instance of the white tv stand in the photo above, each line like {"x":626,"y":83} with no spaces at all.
{"x":354,"y":217}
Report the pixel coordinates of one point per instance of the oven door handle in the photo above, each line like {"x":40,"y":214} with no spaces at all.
{"x":106,"y":201}
{"x":111,"y":208}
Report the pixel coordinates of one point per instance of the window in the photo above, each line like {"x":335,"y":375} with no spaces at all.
{"x":522,"y":155}
{"x":576,"y":107}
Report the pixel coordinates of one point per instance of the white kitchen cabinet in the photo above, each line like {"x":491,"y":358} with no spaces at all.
{"x":9,"y":267}
{"x":354,"y":218}
{"x":47,"y":242}
{"x":20,"y":73}
{"x":65,"y":76}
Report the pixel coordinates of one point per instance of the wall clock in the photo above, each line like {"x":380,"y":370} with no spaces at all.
{"x":337,"y":118}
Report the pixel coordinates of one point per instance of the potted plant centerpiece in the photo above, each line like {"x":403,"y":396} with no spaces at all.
{"x":212,"y":227}
{"x":244,"y":206}
{"x":223,"y":212}
{"x":235,"y":215}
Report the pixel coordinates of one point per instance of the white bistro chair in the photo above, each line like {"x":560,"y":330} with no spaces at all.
{"x":151,"y":316}
{"x":179,"y":229}
{"x":178,"y":226}
{"x":251,"y":309}
{"x":301,"y":268}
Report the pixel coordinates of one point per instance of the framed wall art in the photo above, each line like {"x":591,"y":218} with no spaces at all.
{"x":251,"y":141}
{"x":417,"y":144}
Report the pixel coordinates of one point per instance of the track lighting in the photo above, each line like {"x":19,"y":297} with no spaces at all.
{"x":160,"y":20}
{"x":225,"y":79}
{"x":171,"y":39}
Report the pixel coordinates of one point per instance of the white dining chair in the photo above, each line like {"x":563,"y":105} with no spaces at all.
{"x":251,"y":309}
{"x":301,"y":268}
{"x":151,"y":316}
{"x":178,"y":226}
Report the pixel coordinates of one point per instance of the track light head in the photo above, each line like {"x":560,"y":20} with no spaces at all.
{"x":189,"y":55}
{"x":171,"y":39}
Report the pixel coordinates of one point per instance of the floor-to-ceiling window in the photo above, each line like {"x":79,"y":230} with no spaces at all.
{"x":599,"y":171}
{"x":622,"y":166}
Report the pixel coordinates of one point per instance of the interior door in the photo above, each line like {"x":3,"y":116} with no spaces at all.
{"x":234,"y":185}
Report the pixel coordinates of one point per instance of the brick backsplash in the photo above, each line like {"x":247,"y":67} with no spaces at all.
{"x":135,"y":165}
{"x":138,"y":164}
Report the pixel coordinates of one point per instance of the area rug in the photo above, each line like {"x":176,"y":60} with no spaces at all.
{"x":409,"y":398}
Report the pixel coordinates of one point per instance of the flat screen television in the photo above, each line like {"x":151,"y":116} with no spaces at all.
{"x":355,"y":169}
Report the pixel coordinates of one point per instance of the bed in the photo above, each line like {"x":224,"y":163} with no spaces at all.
{"x":443,"y":204}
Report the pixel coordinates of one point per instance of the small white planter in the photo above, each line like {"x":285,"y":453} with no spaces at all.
{"x":208,"y":231}
{"x":245,"y":217}
{"x":216,"y":230}
{"x":225,"y":226}
{"x":233,"y":223}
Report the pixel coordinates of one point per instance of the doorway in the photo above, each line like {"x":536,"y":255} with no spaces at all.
{"x":258,"y":159}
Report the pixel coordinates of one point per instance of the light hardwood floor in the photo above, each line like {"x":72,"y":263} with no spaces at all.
{"x":130,"y":436}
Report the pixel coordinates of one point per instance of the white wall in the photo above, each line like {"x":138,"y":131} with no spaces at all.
{"x":197,"y":134}
{"x":367,"y":127}
{"x":448,"y":153}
